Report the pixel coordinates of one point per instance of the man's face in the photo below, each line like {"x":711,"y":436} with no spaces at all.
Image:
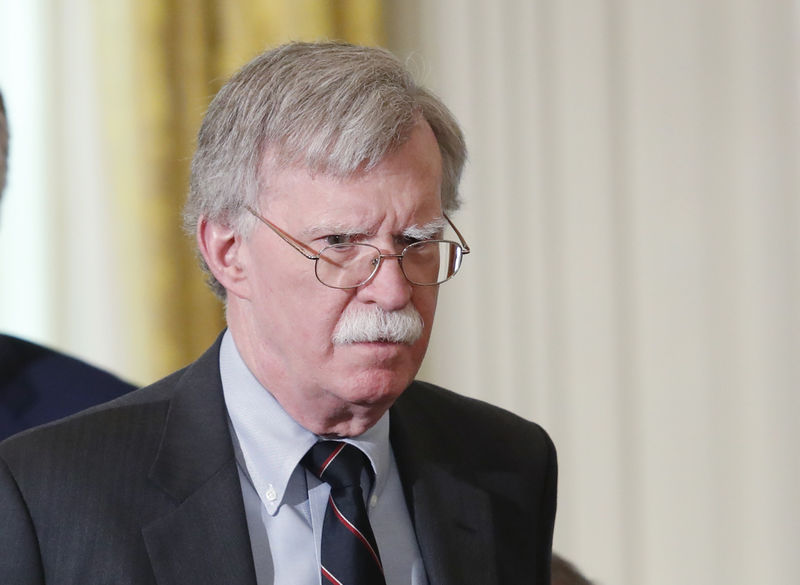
{"x":283,"y":319}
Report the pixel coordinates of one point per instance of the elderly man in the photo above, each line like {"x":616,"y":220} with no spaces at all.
{"x":38,"y":384}
{"x":299,"y":450}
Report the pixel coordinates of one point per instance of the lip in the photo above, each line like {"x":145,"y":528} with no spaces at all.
{"x":380,"y":343}
{"x":380,"y":349}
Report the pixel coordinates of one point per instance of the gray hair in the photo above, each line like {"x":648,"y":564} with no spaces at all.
{"x":330,"y":107}
{"x":3,"y":145}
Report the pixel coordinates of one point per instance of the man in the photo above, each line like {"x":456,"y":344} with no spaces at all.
{"x":298,"y":449}
{"x":37,"y":384}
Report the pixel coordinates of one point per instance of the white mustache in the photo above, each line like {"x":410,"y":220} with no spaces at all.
{"x":374,"y":324}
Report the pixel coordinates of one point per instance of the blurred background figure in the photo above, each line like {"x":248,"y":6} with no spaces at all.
{"x":37,"y":384}
{"x":563,"y":572}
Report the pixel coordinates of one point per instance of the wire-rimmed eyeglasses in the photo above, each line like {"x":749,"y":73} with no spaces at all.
{"x":353,"y":264}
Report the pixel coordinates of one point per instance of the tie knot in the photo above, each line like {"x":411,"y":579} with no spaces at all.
{"x":336,"y":463}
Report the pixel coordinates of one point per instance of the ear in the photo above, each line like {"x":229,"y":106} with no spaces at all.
{"x":221,"y":248}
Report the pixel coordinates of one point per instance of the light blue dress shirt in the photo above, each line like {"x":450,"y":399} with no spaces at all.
{"x":285,"y":504}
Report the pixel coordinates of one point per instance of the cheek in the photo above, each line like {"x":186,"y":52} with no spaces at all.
{"x":314,"y":317}
{"x":425,"y":302}
{"x":295,"y":297}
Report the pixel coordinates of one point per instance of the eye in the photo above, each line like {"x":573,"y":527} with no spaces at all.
{"x":408,"y":240}
{"x":334,"y":239}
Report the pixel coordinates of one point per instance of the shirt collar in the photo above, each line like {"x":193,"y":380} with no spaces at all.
{"x":270,"y":442}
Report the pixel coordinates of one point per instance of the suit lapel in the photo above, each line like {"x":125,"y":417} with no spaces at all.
{"x":204,"y":540}
{"x":453,"y":523}
{"x":452,"y":517}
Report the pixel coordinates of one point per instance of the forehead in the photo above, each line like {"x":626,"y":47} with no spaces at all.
{"x":406,"y":184}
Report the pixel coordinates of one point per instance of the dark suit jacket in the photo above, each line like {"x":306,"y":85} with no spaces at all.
{"x":39,"y":385}
{"x":145,"y":490}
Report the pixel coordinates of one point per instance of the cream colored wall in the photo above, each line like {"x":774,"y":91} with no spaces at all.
{"x":632,"y":205}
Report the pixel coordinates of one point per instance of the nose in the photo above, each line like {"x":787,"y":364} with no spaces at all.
{"x":389,"y":288}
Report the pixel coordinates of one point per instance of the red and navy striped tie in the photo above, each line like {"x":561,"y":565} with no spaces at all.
{"x":349,"y":551}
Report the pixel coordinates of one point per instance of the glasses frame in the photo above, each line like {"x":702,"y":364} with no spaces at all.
{"x":315,"y":257}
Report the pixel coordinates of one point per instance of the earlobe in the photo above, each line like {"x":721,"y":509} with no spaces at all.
{"x":221,"y":249}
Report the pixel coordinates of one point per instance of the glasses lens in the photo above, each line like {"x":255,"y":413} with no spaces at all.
{"x":431,"y":262}
{"x":424,"y":263}
{"x":347,"y":265}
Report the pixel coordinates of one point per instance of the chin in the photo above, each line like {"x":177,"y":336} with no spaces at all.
{"x":376,"y":387}
{"x":377,"y":372}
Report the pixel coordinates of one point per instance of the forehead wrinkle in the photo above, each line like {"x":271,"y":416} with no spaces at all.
{"x":328,"y":226}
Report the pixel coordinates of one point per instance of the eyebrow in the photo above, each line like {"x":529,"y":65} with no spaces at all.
{"x":325,"y":229}
{"x":420,"y":232}
{"x":426,"y":231}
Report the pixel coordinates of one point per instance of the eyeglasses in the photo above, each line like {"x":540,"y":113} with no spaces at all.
{"x":353,"y":264}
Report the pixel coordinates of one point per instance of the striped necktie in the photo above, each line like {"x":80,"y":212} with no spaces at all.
{"x":349,"y":553}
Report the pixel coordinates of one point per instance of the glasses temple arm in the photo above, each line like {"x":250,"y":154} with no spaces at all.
{"x":458,"y":233}
{"x":284,"y":236}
